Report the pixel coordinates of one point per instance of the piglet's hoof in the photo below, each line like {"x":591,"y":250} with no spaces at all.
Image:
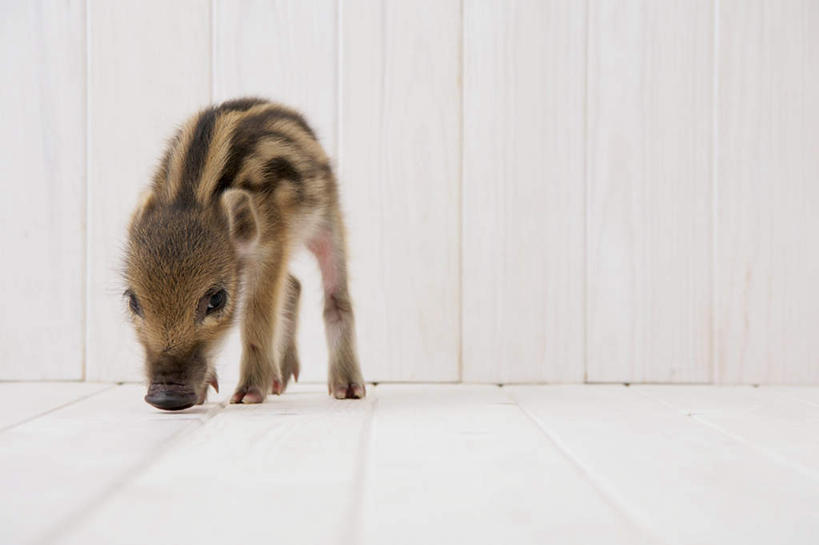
{"x":204,"y":395}
{"x":247,"y":394}
{"x":353,"y":390}
{"x":277,"y":388}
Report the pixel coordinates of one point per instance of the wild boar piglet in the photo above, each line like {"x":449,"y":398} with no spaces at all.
{"x":241,"y":186}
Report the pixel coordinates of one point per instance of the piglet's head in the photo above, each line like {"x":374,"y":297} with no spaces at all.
{"x":182,"y":270}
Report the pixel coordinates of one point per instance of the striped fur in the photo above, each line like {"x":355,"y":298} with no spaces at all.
{"x":248,"y":143}
{"x":241,"y":185}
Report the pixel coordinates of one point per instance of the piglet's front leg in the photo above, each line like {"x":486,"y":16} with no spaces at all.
{"x":259,"y":375}
{"x":259,"y":370}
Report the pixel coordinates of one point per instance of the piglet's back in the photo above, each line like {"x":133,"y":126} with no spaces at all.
{"x":248,"y":143}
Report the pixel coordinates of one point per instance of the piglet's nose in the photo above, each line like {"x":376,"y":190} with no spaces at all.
{"x":170,"y":397}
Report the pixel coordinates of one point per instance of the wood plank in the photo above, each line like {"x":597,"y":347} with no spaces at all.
{"x":650,"y":88}
{"x":400,"y":157}
{"x":285,"y":50}
{"x":807,"y":394}
{"x":523,"y":191}
{"x":141,"y":86}
{"x":42,"y":212}
{"x":684,"y":482}
{"x":579,"y":464}
{"x":776,"y":422}
{"x":21,"y":401}
{"x":767,"y":169}
{"x":459,"y":464}
{"x":285,"y":470}
{"x":56,"y":466}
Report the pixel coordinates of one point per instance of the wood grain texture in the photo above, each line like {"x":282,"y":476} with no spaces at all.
{"x":767,"y":171}
{"x":576,"y":464}
{"x":42,"y":212}
{"x":649,"y":250}
{"x":523,"y":191}
{"x":22,"y":401}
{"x":662,"y":153}
{"x":806,"y":394}
{"x":283,"y":471}
{"x":47,"y":463}
{"x":774,"y":421}
{"x":285,"y":50}
{"x":463,"y":464}
{"x":141,"y":86}
{"x":400,"y":150}
{"x":683,"y":481}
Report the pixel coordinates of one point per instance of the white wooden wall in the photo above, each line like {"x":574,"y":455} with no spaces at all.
{"x":536,"y":190}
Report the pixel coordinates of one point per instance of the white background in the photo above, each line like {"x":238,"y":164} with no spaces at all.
{"x":536,"y":191}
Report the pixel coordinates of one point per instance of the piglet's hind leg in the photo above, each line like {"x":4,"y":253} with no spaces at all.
{"x":290,"y":316}
{"x":345,"y":379}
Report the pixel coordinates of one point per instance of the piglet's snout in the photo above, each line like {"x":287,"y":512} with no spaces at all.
{"x":171,"y":397}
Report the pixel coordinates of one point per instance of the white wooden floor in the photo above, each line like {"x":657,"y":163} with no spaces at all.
{"x":92,"y":463}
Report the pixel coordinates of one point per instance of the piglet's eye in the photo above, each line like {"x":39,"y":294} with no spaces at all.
{"x":216,"y":301}
{"x":133,"y":303}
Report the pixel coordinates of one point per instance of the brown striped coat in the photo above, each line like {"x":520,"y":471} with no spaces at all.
{"x":240,"y":187}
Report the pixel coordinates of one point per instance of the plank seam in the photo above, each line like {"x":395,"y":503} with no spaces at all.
{"x":211,"y":49}
{"x":598,"y":482}
{"x":461,"y":44}
{"x":57,"y":408}
{"x":586,"y":204}
{"x":770,"y":454}
{"x":85,"y":192}
{"x":360,"y":474}
{"x":74,"y":519}
{"x":801,"y":400}
{"x":339,"y":74}
{"x":715,"y":378}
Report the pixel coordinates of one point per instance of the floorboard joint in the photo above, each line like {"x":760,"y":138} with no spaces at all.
{"x":704,"y":421}
{"x":619,"y":504}
{"x":31,"y":418}
{"x":361,"y":473}
{"x":74,"y":519}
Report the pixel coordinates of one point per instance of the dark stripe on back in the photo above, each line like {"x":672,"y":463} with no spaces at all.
{"x":241,"y":104}
{"x":197,"y":154}
{"x":279,"y":168}
{"x":293,"y":117}
{"x":247,"y":134}
{"x":277,"y":112}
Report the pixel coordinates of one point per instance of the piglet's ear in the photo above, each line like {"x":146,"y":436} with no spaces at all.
{"x":242,"y":217}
